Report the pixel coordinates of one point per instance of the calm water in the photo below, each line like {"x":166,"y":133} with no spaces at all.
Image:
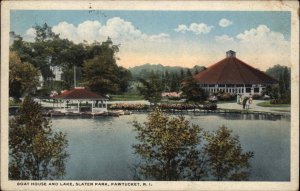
{"x":100,"y":148}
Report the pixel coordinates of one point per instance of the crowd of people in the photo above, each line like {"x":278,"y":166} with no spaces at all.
{"x":244,"y":100}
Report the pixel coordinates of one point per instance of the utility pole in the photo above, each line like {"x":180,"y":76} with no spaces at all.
{"x":74,"y":76}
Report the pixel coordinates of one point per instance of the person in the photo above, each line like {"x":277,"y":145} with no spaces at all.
{"x":241,"y":99}
{"x":250,"y":99}
{"x":244,"y":102}
{"x":238,"y":99}
{"x":248,"y":103}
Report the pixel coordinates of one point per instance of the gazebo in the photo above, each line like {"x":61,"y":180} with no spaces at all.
{"x":79,"y":95}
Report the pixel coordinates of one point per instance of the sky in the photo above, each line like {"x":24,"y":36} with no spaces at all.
{"x":171,"y":38}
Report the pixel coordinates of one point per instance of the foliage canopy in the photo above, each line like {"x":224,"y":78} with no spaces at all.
{"x":36,"y":152}
{"x":171,"y":149}
{"x":23,"y":77}
{"x":168,"y":148}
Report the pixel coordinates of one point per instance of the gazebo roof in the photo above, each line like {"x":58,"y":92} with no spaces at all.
{"x":231,"y":70}
{"x":79,"y":94}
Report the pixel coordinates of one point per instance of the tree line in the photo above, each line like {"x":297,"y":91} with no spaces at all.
{"x":96,"y":64}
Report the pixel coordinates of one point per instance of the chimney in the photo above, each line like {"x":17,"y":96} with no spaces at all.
{"x":230,"y":54}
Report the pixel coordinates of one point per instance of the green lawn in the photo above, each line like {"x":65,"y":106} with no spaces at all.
{"x":126,"y":97}
{"x":268,"y":104}
{"x":230,"y":101}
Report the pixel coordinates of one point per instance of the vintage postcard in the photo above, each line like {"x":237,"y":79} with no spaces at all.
{"x":149,"y":95}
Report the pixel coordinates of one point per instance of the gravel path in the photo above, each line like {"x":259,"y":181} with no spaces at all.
{"x":255,"y":107}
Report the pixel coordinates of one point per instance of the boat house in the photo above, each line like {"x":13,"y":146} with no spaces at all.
{"x":80,"y":95}
{"x":233,"y":76}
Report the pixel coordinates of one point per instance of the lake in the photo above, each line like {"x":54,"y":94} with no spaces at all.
{"x":100,"y":148}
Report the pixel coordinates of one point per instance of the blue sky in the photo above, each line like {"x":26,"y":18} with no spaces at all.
{"x":172,"y":37}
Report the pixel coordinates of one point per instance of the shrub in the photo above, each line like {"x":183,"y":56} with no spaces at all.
{"x":209,"y":106}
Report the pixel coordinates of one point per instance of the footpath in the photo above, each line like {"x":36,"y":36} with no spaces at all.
{"x":255,"y":107}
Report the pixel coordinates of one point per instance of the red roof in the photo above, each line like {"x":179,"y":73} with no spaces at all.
{"x":233,"y":71}
{"x":79,"y":93}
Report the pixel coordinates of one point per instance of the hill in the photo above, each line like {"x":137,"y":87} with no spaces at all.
{"x":143,"y":71}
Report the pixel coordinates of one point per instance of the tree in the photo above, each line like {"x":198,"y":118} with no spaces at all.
{"x":285,"y":86}
{"x":196,"y":71}
{"x":175,"y":82}
{"x":287,"y":78}
{"x":168,"y":148}
{"x":44,"y":32}
{"x":283,"y":75}
{"x":192,"y":91}
{"x":23,"y":77}
{"x":124,"y":77}
{"x":35,"y":151}
{"x":151,"y":89}
{"x":189,"y":73}
{"x":225,"y":156}
{"x":182,"y":76}
{"x":101,"y":73}
{"x":276,"y":71}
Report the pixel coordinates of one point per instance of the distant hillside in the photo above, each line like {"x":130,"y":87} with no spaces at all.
{"x":144,"y":70}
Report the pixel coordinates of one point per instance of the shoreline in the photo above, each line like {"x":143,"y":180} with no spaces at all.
{"x":195,"y":111}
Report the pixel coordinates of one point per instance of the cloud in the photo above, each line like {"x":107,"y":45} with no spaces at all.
{"x":225,"y":22}
{"x":118,"y":29}
{"x":264,"y":46}
{"x":181,"y":28}
{"x":223,"y":38}
{"x":66,"y":30}
{"x":196,"y":28}
{"x":89,"y":30}
{"x":30,"y":35}
{"x":261,"y":33}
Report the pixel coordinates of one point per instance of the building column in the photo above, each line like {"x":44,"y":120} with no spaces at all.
{"x":78,"y":109}
{"x":92,"y":106}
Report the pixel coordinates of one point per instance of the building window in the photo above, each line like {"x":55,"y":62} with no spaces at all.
{"x":248,"y":90}
{"x":256,"y":90}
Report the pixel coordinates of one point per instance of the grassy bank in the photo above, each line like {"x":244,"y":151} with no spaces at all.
{"x":268,"y":104}
{"x":126,"y":97}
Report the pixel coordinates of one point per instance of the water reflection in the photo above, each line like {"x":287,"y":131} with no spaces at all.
{"x":100,"y":147}
{"x":236,"y":116}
